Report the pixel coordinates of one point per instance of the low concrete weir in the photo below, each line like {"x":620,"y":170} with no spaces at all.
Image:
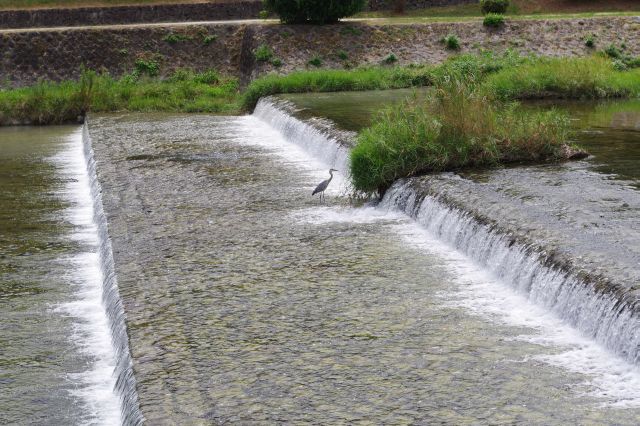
{"x":564,"y":277}
{"x":125,"y":385}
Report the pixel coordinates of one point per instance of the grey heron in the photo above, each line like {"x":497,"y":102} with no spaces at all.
{"x":323,"y":185}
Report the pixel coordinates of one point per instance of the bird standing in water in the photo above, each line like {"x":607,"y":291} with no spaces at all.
{"x":323,"y":185}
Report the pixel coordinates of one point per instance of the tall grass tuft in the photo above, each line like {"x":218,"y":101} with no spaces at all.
{"x":577,"y":78}
{"x":457,"y":126}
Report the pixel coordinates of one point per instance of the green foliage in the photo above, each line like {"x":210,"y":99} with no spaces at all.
{"x":313,"y":11}
{"x":451,"y":42}
{"x":55,"y":103}
{"x":173,"y":38}
{"x":334,"y":81}
{"x":613,"y":51}
{"x":263,"y":53}
{"x":590,"y":41}
{"x":148,"y":67}
{"x":390,"y":59}
{"x":493,"y":20}
{"x":123,"y":52}
{"x":576,"y":78}
{"x":316,"y":61}
{"x":263,"y":14}
{"x":209,"y":38}
{"x":342,"y":55}
{"x":494,"y":6}
{"x":456,"y":126}
{"x":276,"y":62}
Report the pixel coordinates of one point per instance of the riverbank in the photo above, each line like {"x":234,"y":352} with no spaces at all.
{"x":57,"y":54}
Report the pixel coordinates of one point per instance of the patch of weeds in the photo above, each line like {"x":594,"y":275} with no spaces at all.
{"x":390,"y":59}
{"x":613,"y":51}
{"x":451,"y":42}
{"x":286,"y":33}
{"x":173,"y":38}
{"x":493,"y":20}
{"x":342,"y":55}
{"x":208,"y":39}
{"x":263,"y":53}
{"x":590,"y":41}
{"x":276,"y":62}
{"x":350,"y":31}
{"x":264,"y":14}
{"x":123,"y":52}
{"x":148,"y":67}
{"x":316,"y":61}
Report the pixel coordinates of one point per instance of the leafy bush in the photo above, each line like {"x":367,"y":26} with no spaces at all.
{"x":493,"y":20}
{"x":494,"y":6}
{"x":613,"y":51}
{"x":451,"y":42}
{"x":276,"y":62}
{"x":263,"y":53}
{"x":313,"y":11}
{"x":342,"y":55}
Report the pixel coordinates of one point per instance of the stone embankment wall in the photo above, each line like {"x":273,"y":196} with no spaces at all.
{"x":28,"y":56}
{"x":415,"y":4}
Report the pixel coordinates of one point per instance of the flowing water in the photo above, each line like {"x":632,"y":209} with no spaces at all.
{"x":460,"y":298}
{"x":248,"y":300}
{"x":56,"y":358}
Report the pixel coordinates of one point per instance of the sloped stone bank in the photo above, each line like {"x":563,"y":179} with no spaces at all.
{"x":28,"y":56}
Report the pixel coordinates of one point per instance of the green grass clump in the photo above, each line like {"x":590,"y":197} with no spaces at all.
{"x":335,"y":81}
{"x":576,"y":78}
{"x":456,"y":126}
{"x":316,"y":61}
{"x":173,"y":38}
{"x":451,"y":42}
{"x":493,"y":20}
{"x":209,"y":38}
{"x":263,"y":53}
{"x":590,"y":41}
{"x":390,"y":59}
{"x":55,"y":103}
{"x":146,"y":66}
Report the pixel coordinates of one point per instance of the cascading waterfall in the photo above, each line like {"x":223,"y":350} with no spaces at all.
{"x":600,"y":312}
{"x":319,"y":143}
{"x":125,"y":382}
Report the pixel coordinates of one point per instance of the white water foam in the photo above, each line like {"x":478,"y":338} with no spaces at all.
{"x":95,"y":387}
{"x":610,"y":378}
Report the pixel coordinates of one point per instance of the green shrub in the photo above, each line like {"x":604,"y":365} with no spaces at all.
{"x":494,"y":6}
{"x":451,"y":42}
{"x":276,"y":62}
{"x":313,"y":11}
{"x":316,"y":61}
{"x":390,"y":59}
{"x":493,"y":20}
{"x":342,"y":55}
{"x":148,"y":67}
{"x":590,"y":41}
{"x":456,"y":126}
{"x":263,"y":14}
{"x":263,"y":53}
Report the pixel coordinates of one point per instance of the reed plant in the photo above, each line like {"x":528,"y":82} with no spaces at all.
{"x":458,"y":125}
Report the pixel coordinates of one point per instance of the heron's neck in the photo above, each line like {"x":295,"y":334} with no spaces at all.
{"x":330,"y":175}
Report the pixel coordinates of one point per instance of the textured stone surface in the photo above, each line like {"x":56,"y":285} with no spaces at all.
{"x":27,"y":56}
